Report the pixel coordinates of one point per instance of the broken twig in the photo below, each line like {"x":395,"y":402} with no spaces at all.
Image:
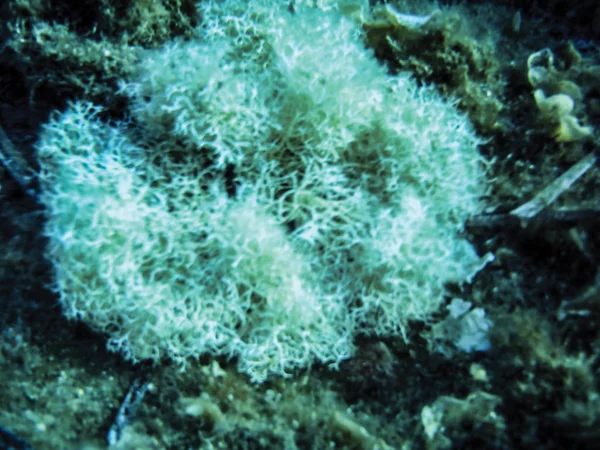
{"x":12,"y":159}
{"x":128,"y":407}
{"x":534,"y":211}
{"x":551,"y":192}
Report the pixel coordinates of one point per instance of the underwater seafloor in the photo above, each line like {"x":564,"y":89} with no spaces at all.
{"x":536,"y":386}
